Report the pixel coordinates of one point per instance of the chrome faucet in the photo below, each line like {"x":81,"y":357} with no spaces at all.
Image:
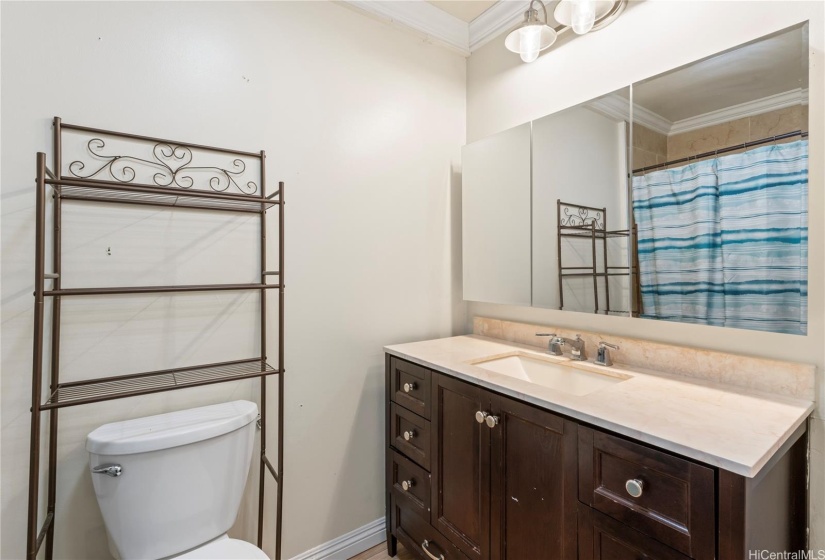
{"x":577,"y":353}
{"x":554,"y":347}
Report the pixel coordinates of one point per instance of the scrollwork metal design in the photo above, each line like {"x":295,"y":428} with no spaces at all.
{"x":172,"y":166}
{"x":576,"y":216}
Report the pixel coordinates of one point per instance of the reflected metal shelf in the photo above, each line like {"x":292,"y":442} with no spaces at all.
{"x":117,"y":387}
{"x":588,"y":232}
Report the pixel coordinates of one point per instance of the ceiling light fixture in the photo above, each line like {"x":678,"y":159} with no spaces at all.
{"x":532,"y":36}
{"x":582,"y":16}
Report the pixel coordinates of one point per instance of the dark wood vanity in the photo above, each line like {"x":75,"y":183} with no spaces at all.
{"x":473,"y":474}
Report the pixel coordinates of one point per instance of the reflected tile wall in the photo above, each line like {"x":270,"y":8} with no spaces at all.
{"x":735,"y":132}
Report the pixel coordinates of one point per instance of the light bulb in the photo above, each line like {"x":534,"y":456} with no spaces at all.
{"x":530,"y":42}
{"x":583,"y":16}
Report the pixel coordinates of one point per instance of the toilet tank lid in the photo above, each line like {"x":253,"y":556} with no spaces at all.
{"x":172,"y":429}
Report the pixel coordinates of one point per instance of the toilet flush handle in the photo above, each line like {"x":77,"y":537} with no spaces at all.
{"x":109,"y":469}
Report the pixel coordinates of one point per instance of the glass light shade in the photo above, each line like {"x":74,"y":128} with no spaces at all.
{"x":530,"y":42}
{"x":583,"y":16}
{"x":530,"y":39}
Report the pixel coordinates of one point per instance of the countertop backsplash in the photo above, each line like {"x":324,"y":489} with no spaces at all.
{"x":791,"y":379}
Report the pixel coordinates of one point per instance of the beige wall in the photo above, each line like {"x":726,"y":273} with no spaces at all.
{"x":650,"y":38}
{"x":649,"y":147}
{"x":365,"y":125}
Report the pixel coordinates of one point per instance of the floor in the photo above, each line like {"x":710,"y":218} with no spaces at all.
{"x":380,"y":553}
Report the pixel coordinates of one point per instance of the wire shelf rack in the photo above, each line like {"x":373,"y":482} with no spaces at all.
{"x":118,"y":387}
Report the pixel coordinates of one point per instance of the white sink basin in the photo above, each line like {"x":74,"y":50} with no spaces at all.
{"x":551,"y":374}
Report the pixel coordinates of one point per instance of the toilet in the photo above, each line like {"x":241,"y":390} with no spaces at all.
{"x":170,"y":485}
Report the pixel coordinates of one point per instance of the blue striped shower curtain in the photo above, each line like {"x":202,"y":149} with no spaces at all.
{"x":725,"y":241}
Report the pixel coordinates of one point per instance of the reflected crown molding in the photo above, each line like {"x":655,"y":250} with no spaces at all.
{"x":616,"y":107}
{"x":765,"y":105}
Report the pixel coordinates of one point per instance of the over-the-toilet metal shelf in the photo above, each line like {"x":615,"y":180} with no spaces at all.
{"x":131,"y":385}
{"x":120,"y":168}
{"x":157,"y":196}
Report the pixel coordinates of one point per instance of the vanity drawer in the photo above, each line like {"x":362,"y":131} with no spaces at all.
{"x":410,"y":484}
{"x":410,"y":434}
{"x":604,"y":538}
{"x":419,"y":537}
{"x":410,"y":386}
{"x":676,"y":503}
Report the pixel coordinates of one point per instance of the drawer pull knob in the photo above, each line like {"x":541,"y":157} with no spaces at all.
{"x":634,"y":487}
{"x":407,"y":484}
{"x":492,"y":421}
{"x":409,"y":434}
{"x":409,"y":387}
{"x":425,"y":546}
{"x":481,"y":416}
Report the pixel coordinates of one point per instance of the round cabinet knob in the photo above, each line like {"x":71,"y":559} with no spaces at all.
{"x":634,"y":487}
{"x":492,"y":421}
{"x":480,"y":416}
{"x":408,"y":435}
{"x":409,"y":387}
{"x":407,"y":484}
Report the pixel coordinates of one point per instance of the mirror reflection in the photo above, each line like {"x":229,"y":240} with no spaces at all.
{"x":719,"y":188}
{"x":580,"y":218}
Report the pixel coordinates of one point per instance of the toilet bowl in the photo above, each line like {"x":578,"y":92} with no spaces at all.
{"x":224,"y":548}
{"x":170,"y":485}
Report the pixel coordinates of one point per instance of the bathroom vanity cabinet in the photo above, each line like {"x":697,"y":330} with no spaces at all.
{"x":473,"y":474}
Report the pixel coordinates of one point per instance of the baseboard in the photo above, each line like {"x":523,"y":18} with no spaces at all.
{"x":346,"y":546}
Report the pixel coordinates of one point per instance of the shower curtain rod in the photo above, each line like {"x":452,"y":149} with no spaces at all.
{"x":724,"y":150}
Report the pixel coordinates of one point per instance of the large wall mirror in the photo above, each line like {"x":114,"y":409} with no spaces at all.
{"x":719,"y":188}
{"x":680,"y":198}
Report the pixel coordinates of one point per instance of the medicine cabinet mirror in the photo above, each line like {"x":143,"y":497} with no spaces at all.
{"x":720,"y":188}
{"x":683,"y":197}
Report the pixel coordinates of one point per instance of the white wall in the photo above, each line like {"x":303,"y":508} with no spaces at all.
{"x":364,"y":124}
{"x":652,"y":37}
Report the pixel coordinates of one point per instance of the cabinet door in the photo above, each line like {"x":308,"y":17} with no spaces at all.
{"x":461,"y":466}
{"x":533,"y":497}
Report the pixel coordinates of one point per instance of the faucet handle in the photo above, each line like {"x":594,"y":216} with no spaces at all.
{"x":603,"y":354}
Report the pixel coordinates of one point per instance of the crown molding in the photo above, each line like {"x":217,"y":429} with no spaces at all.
{"x":434,"y":23}
{"x":747,"y":109}
{"x":497,"y":19}
{"x":441,"y":27}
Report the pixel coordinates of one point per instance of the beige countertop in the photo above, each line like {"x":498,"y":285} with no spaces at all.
{"x":716,"y":424}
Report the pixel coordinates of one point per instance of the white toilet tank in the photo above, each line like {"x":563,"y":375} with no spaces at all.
{"x":180,"y":481}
